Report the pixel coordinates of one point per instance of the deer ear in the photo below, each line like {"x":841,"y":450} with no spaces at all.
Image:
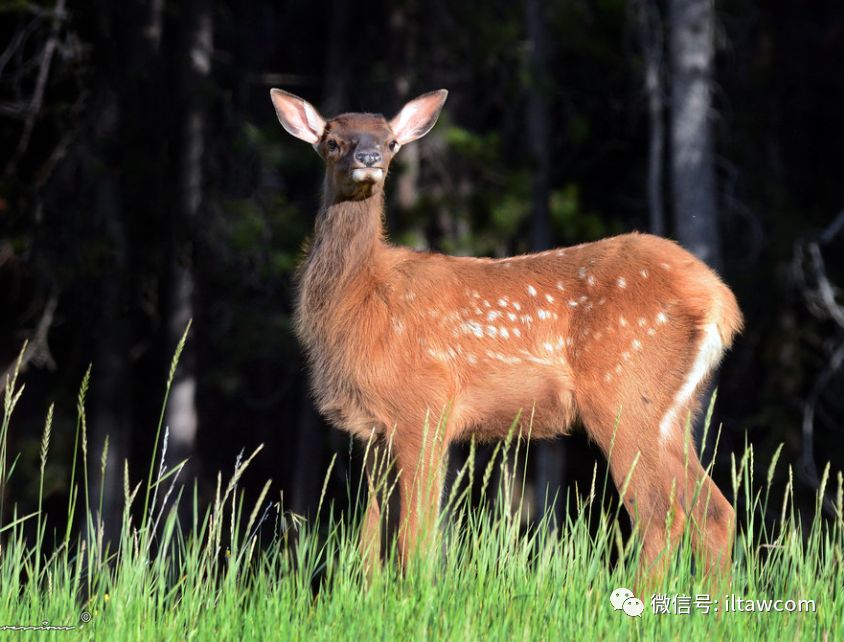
{"x":418,"y":116}
{"x":297,"y":116}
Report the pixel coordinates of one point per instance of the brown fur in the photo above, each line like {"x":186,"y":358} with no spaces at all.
{"x":607,"y":331}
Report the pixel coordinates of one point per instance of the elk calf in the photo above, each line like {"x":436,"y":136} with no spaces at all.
{"x":622,"y":333}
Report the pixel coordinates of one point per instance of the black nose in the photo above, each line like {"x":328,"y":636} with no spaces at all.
{"x":368,"y":158}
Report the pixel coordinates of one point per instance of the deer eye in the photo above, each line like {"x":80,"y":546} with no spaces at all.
{"x":332,"y":146}
{"x":394,"y":145}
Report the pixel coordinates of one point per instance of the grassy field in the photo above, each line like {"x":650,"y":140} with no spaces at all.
{"x":489,"y":579}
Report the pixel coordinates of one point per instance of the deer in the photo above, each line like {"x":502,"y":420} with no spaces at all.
{"x":623,"y":334}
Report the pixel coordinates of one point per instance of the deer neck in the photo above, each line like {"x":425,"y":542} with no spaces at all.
{"x":348,"y":236}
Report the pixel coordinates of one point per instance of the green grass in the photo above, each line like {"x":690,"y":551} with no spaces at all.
{"x":489,"y":579}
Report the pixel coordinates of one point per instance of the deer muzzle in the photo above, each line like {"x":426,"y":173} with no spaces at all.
{"x":367,"y":175}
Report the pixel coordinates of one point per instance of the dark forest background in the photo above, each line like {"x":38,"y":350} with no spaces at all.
{"x":145,"y":181}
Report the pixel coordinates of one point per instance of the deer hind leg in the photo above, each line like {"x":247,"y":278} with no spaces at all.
{"x":712,"y":516}
{"x":653,"y":490}
{"x":713,"y":524}
{"x":667,"y":487}
{"x":673,"y":494}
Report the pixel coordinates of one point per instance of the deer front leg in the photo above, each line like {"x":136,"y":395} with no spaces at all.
{"x":420,"y":463}
{"x":375,"y":466}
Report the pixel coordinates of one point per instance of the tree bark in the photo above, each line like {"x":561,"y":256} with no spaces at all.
{"x":693,"y":185}
{"x":127,"y":55}
{"x":691,"y":24}
{"x":196,"y":25}
{"x":111,"y":408}
{"x":336,"y":85}
{"x":651,"y":38}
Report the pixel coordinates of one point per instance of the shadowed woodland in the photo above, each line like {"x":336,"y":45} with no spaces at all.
{"x":145,"y":182}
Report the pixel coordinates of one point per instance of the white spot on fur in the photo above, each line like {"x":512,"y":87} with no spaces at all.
{"x":441,"y":355}
{"x":492,"y":316}
{"x":618,"y":369}
{"x":549,"y":298}
{"x":637,"y":345}
{"x":607,"y":377}
{"x":531,"y":290}
{"x":573,"y":303}
{"x":622,"y":322}
{"x":560,"y":286}
{"x":491,"y":331}
{"x":511,"y":316}
{"x":517,"y":332}
{"x":661,"y":319}
{"x":502,"y":303}
{"x":539,"y":360}
{"x":581,"y":273}
{"x":644,"y":273}
{"x":504,"y":332}
{"x":591,"y":280}
{"x":517,"y":306}
{"x":543,"y":314}
{"x":472,"y":327}
{"x":651,"y":332}
{"x":625,"y":355}
{"x":621,"y":282}
{"x":471,"y":359}
{"x":548,"y":347}
{"x":642,"y":322}
{"x":708,"y":356}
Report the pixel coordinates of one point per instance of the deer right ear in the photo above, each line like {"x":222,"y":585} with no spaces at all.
{"x":297,"y":116}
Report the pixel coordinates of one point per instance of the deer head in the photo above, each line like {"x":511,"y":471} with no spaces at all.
{"x":357,"y":148}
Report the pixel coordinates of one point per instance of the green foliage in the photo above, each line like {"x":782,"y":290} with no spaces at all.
{"x":571,"y":223}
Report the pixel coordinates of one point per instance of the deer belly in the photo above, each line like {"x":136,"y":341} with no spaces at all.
{"x":539,"y":399}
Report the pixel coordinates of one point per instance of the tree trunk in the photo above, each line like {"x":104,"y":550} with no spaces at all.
{"x":695,"y":200}
{"x":691,"y":24}
{"x":127,"y":44}
{"x":110,"y":403}
{"x":551,"y":456}
{"x":650,"y":34}
{"x":336,"y":84}
{"x":196,"y":24}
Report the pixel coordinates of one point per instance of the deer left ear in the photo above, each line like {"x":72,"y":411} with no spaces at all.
{"x":418,"y":116}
